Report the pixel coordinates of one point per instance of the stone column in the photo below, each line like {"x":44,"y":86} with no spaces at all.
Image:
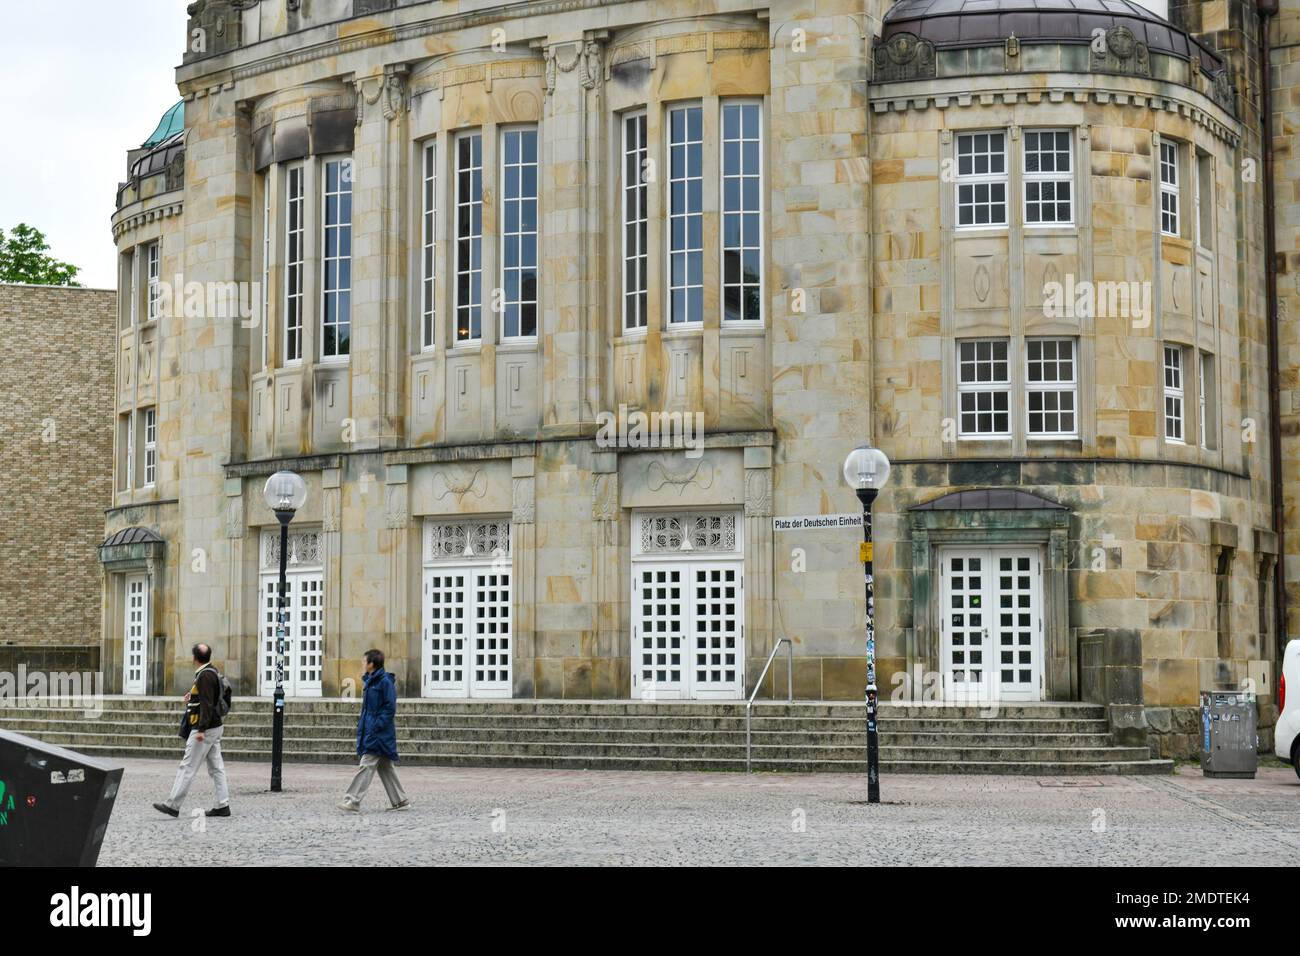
{"x":523,"y":551}
{"x":214,"y":358}
{"x":611,"y":674}
{"x":571,"y":138}
{"x":758,"y":575}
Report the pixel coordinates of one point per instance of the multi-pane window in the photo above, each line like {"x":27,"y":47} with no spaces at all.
{"x":686,"y":214}
{"x":519,"y":233}
{"x":1169,"y":188}
{"x":294,"y":236}
{"x":469,"y":237}
{"x":983,"y":388}
{"x":636,"y":222}
{"x":129,"y":422}
{"x":153,"y":263}
{"x":1174,"y":409}
{"x":742,"y":227}
{"x":428,"y":248}
{"x":1049,"y":177}
{"x":150,"y":445}
{"x":982,"y":179}
{"x":135,"y":285}
{"x":336,"y":274}
{"x":1050,"y":387}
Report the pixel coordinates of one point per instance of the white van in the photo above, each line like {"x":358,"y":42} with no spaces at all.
{"x":1287,"y":733}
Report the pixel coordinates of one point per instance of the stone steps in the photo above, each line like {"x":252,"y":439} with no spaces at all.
{"x":532,"y":734}
{"x":1050,"y":738}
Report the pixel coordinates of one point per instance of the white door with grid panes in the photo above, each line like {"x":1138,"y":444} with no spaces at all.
{"x":304,"y":610}
{"x":688,"y":607}
{"x":135,"y":651}
{"x":991,"y":623}
{"x":467,"y":635}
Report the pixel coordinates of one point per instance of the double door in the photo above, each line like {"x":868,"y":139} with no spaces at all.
{"x":135,"y":651}
{"x":991,"y":623}
{"x":688,"y":633}
{"x":467,"y":635}
{"x":304,"y":640}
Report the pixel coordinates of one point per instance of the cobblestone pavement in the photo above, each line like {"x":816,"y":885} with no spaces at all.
{"x":491,"y":816}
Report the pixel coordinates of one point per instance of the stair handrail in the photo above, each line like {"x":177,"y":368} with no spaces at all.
{"x":749,"y":704}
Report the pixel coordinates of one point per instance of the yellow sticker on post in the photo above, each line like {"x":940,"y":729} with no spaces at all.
{"x":864,"y":552}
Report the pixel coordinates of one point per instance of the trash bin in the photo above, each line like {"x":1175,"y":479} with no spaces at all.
{"x":54,"y":803}
{"x":1229,"y":741}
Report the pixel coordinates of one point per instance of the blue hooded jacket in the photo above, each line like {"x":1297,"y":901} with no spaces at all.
{"x":377,"y":725}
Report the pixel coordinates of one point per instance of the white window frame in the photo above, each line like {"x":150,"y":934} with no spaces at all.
{"x":153,"y":270}
{"x":1174,"y":393}
{"x":1058,"y":386}
{"x":429,"y":246}
{"x":975,"y":180}
{"x":687,"y":251}
{"x":150,"y":446}
{"x":130,"y":450}
{"x":135,"y":286}
{"x":1170,"y":204}
{"x":266,"y":267}
{"x":341,"y":291}
{"x":1056,"y":178}
{"x":992,"y":387}
{"x":757,"y":246}
{"x":635,"y":319}
{"x":521,"y":234}
{"x":472,"y":309}
{"x":295,"y":287}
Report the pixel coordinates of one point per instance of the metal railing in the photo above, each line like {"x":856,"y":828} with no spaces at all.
{"x":749,"y":704}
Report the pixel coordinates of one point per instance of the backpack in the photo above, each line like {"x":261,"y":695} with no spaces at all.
{"x":224,"y":696}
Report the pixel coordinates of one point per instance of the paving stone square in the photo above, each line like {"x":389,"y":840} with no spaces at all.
{"x":473,"y":816}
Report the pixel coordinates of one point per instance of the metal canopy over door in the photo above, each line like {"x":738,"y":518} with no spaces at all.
{"x":135,"y":653}
{"x":688,"y":606}
{"x":304,"y":614}
{"x":467,"y":634}
{"x":991,"y":623}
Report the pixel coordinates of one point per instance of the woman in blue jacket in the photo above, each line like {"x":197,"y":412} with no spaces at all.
{"x":377,"y":737}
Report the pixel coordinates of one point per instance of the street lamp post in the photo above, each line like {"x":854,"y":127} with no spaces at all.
{"x":866,"y":469}
{"x":284,"y":494}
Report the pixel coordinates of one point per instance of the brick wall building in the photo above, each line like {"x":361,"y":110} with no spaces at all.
{"x":56,"y":458}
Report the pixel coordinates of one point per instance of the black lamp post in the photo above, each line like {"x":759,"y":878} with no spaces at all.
{"x":866,"y":470}
{"x":284,"y":494}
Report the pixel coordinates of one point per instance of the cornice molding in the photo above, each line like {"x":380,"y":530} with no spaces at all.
{"x":922,"y":94}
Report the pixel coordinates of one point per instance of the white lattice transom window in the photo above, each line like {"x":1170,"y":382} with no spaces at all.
{"x":466,"y":539}
{"x":676,"y":533}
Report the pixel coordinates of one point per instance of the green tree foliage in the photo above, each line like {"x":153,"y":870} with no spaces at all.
{"x":23,"y":259}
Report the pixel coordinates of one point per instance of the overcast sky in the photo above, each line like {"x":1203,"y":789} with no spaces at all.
{"x":83,"y":82}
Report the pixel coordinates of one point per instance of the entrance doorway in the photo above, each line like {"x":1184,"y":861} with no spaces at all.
{"x":991,"y":623}
{"x":467,"y":635}
{"x":135,"y":655}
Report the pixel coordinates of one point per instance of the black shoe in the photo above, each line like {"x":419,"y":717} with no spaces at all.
{"x":170,"y":811}
{"x":217,"y":812}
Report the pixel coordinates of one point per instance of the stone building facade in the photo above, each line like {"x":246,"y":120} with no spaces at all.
{"x":56,"y":454}
{"x":1016,"y":251}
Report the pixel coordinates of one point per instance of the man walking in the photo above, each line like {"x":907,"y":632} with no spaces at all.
{"x":201,"y":730}
{"x":377,"y":737}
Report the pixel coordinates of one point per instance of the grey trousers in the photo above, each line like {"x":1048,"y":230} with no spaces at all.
{"x":197,"y":753}
{"x":366,"y":773}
